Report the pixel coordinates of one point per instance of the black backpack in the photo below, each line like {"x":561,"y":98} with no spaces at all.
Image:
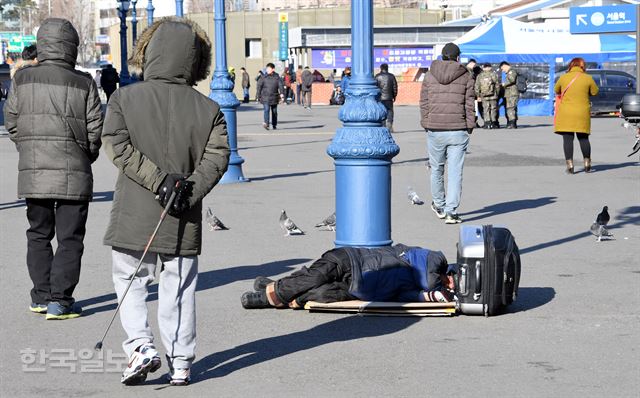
{"x":521,"y":83}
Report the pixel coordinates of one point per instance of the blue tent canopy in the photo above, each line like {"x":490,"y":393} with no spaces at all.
{"x":505,"y":39}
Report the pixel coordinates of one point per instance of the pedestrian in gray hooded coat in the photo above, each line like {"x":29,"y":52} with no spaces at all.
{"x":53,"y":116}
{"x":156,"y":132}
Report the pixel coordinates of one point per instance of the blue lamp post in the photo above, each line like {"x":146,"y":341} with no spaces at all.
{"x":134,"y":22}
{"x":222,"y":92}
{"x":179,"y":8}
{"x":125,"y":78}
{"x":363,"y":148}
{"x":150,"y":9}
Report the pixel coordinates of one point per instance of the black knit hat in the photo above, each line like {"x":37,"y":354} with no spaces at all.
{"x":450,"y":52}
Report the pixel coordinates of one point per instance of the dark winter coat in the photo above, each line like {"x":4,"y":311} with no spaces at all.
{"x":447,"y":98}
{"x":388,"y":86}
{"x":54,"y":117}
{"x":109,"y":79}
{"x":397,"y":273}
{"x":245,"y":80}
{"x":270,"y":88}
{"x":159,"y":126}
{"x":307,"y":80}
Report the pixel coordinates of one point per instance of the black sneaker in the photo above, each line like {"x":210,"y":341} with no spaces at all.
{"x":255,"y":300}
{"x":58,"y":311}
{"x":452,"y":218}
{"x":260,"y":283}
{"x":439,"y":212}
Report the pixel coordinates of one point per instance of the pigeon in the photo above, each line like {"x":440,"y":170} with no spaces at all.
{"x":328,"y":223}
{"x":214,"y":222}
{"x":414,"y":198}
{"x":603,"y":218}
{"x":599,"y":226}
{"x":288,"y":225}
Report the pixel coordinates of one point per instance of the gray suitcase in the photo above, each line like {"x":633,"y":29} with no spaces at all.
{"x":489,"y":269}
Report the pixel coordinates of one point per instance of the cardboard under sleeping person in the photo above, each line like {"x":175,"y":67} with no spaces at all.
{"x":402,"y":280}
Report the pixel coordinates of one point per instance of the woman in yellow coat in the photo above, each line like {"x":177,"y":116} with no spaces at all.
{"x":573,"y":115}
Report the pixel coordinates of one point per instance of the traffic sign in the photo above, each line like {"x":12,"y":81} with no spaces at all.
{"x":607,"y":19}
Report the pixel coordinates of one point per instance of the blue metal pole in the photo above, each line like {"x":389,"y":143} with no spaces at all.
{"x":179,"y":8}
{"x":125,"y":78}
{"x":363,"y":148}
{"x":134,"y":22}
{"x":222,"y":92}
{"x":150,"y":9}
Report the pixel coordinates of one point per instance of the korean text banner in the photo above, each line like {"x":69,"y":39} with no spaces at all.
{"x":420,"y":57}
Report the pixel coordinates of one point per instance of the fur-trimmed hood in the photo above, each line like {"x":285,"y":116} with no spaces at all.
{"x":172,"y":49}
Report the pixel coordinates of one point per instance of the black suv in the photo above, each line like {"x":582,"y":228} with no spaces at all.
{"x":613,"y":86}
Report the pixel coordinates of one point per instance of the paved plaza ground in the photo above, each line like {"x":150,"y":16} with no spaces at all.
{"x":573,"y":332}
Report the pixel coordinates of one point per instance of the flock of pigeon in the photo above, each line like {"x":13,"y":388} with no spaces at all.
{"x":598,"y":228}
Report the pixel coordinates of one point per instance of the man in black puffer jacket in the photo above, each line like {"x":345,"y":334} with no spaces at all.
{"x":388,"y":86}
{"x":54,"y":117}
{"x":394,"y":273}
{"x":270,"y":92}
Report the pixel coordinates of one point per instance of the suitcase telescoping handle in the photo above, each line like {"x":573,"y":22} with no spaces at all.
{"x":478,"y":284}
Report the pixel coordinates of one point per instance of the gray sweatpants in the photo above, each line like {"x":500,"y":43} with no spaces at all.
{"x":176,"y":302}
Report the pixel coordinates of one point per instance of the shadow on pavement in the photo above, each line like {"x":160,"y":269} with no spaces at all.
{"x":532,"y":297}
{"x":628,"y":216}
{"x":106,"y":196}
{"x":509,"y":207}
{"x":280,"y":145}
{"x":287,"y":175}
{"x":314,"y":126}
{"x":220,"y":364}
{"x":605,"y":167}
{"x":206,"y":280}
{"x":418,"y":160}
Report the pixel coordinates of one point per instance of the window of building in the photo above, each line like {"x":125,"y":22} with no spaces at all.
{"x":253,"y":48}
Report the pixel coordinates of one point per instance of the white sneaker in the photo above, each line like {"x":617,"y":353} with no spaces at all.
{"x":144,"y":359}
{"x":179,"y":377}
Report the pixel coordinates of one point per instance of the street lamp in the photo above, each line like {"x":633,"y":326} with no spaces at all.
{"x":178,"y":8}
{"x":125,"y":78}
{"x":222,"y":92}
{"x":150,"y":9}
{"x":134,"y":22}
{"x":363,"y":148}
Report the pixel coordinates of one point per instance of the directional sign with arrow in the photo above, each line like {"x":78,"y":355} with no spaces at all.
{"x":609,"y":19}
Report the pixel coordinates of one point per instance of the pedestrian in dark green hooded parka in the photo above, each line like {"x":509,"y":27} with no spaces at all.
{"x":157,"y":132}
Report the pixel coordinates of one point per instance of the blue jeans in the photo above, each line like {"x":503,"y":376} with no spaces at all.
{"x":245,"y":92}
{"x":274,"y":114}
{"x":447,"y":147}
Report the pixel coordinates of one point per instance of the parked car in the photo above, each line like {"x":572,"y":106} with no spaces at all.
{"x":613,"y":86}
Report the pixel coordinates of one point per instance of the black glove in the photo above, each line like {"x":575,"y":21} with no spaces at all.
{"x":167,"y":186}
{"x":184,"y":190}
